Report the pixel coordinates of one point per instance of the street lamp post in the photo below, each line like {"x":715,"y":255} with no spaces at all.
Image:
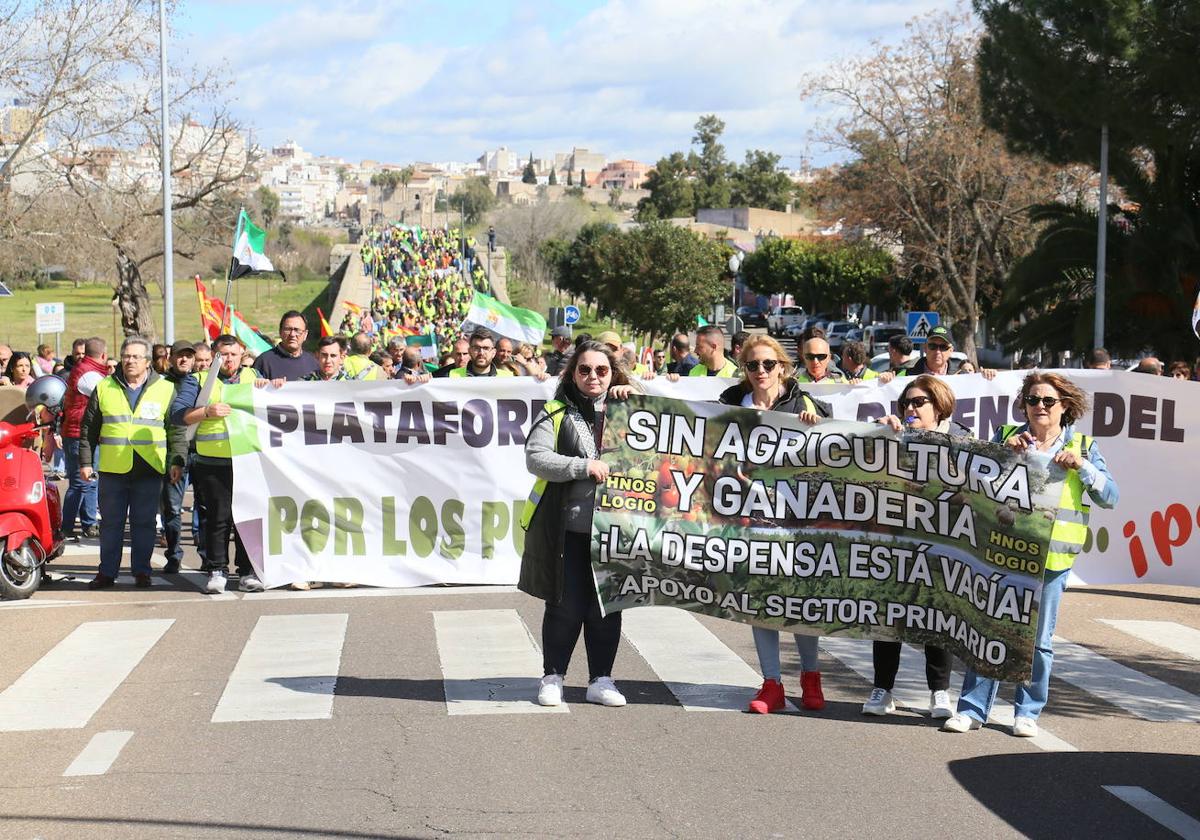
{"x":1101,"y":238}
{"x":735,"y":268}
{"x":168,"y":244}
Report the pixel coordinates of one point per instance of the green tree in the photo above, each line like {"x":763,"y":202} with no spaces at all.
{"x":583,"y":178}
{"x":529,"y":176}
{"x":570,"y":179}
{"x":553,"y":179}
{"x":822,"y":274}
{"x":760,"y":183}
{"x":671,"y":191}
{"x":666,"y":275}
{"x":711,"y":168}
{"x":474,"y":197}
{"x":1130,"y":66}
{"x":268,"y":205}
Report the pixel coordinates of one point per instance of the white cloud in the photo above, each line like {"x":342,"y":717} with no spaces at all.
{"x":628,"y":78}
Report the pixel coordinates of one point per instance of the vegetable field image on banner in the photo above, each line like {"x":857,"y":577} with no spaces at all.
{"x":839,"y":529}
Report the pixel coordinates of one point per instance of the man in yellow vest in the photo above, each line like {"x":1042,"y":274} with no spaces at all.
{"x":854,"y":362}
{"x":126,"y":417}
{"x":212,"y":468}
{"x":482,"y":350}
{"x":358,"y":364}
{"x":710,"y":347}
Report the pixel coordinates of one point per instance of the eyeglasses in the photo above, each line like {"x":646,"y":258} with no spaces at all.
{"x":287,"y":330}
{"x":1049,"y":402}
{"x":767,"y":364}
{"x":585,"y":371}
{"x":914,"y":402}
{"x":128,"y":358}
{"x":816,"y":357}
{"x":938,"y":347}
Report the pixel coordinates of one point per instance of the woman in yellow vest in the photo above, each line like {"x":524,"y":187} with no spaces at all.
{"x":1052,"y":404}
{"x":563,"y":453}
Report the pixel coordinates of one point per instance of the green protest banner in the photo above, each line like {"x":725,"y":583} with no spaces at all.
{"x":842,"y":528}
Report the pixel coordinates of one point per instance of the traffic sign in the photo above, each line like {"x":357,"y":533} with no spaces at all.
{"x":570,"y":315}
{"x":4,"y":291}
{"x":51,"y":318}
{"x":920,"y":323}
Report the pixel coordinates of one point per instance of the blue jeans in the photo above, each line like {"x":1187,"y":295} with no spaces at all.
{"x":136,"y":499}
{"x":171,"y":507}
{"x":80,"y":499}
{"x":979,"y":693}
{"x":766,"y":643}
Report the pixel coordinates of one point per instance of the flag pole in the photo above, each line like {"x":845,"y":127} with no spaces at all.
{"x":214,"y":373}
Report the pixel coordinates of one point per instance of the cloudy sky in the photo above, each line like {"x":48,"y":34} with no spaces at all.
{"x":439,"y":80}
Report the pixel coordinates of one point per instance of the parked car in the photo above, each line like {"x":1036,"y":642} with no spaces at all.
{"x":782,"y":317}
{"x":876,"y":336}
{"x":752,"y":316}
{"x":837,"y":331}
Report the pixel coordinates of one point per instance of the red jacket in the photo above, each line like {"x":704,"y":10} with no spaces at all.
{"x":75,"y":401}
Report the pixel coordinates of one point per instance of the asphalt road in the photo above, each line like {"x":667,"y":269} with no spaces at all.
{"x":386,"y":753}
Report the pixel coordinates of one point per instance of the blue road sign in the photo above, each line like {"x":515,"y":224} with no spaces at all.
{"x":570,"y":315}
{"x":920,"y":323}
{"x":4,"y":292}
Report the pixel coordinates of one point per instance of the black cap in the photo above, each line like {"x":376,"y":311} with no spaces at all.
{"x":942,"y":333}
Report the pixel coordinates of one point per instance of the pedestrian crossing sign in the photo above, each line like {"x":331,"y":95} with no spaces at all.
{"x":920,"y":323}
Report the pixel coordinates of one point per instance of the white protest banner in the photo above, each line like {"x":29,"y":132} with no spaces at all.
{"x":392,"y":485}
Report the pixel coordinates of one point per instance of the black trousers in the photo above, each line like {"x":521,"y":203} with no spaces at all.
{"x":887,"y":662}
{"x":579,"y":609}
{"x":215,"y":485}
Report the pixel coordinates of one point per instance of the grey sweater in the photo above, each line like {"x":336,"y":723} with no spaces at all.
{"x":544,"y":462}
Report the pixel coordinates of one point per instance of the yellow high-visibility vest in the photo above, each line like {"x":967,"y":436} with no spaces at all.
{"x":126,"y":429}
{"x":212,"y":436}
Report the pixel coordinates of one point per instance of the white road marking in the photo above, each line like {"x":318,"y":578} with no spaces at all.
{"x":911,"y":691}
{"x":99,"y":754}
{"x":1112,"y":682}
{"x":1167,"y":816}
{"x":68,"y":685}
{"x":1171,"y":635}
{"x":373,"y":592}
{"x":698,"y":668}
{"x":287,"y":671}
{"x":489,"y":660}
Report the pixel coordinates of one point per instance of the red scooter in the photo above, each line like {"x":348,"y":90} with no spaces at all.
{"x":30,"y":509}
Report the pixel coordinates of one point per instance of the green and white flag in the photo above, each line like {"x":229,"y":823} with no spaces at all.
{"x":427,"y":341}
{"x":248,"y":242}
{"x":509,"y":321}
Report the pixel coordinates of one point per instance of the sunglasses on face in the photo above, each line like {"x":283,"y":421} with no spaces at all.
{"x":585,"y":371}
{"x":938,"y":346}
{"x":1049,"y":402}
{"x":914,"y":402}
{"x":766,"y":364}
{"x":816,"y":357}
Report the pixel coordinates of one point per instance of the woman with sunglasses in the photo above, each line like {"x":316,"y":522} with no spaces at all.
{"x":768,"y":385}
{"x":926,"y":403}
{"x":1051,"y":404}
{"x":563,"y":453}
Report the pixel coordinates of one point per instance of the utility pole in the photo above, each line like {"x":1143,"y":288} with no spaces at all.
{"x":1101,"y":238}
{"x":168,"y":243}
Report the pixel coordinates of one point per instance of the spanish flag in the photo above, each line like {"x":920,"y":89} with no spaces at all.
{"x":325,"y":328}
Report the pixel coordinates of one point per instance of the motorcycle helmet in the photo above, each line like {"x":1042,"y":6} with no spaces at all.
{"x":47,"y":391}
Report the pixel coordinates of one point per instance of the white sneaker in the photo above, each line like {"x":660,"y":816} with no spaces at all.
{"x":1025,"y":728}
{"x":250,"y":583}
{"x":216,"y":583}
{"x":879,"y":703}
{"x":603,"y":690}
{"x":940,"y":706}
{"x":301,"y":586}
{"x":550,"y":690}
{"x":961,"y":723}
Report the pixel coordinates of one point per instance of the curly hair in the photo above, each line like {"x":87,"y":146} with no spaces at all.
{"x":1073,"y":399}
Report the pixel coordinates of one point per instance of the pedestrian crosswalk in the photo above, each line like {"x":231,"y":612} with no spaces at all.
{"x":490,"y":663}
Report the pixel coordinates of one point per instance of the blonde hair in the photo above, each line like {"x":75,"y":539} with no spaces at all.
{"x":781,"y":355}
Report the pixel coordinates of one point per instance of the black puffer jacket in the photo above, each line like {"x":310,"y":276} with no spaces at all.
{"x":791,"y":401}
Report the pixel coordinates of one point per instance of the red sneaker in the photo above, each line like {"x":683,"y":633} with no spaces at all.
{"x":769,"y":698}
{"x":811,"y":697}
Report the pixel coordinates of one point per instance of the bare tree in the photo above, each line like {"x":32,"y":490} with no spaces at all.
{"x":926,"y":172}
{"x":523,"y":229}
{"x":88,"y":72}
